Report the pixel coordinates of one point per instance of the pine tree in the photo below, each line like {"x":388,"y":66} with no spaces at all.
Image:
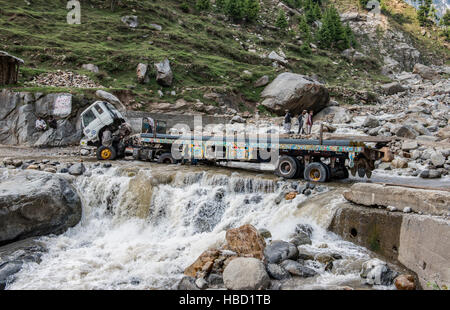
{"x":350,"y":36}
{"x":333,"y":34}
{"x":252,"y":9}
{"x":281,"y":22}
{"x":316,"y":12}
{"x":305,"y":30}
{"x":445,"y":20}
{"x":235,"y":9}
{"x":202,"y":5}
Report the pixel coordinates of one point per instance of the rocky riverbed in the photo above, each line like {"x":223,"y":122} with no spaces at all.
{"x":145,"y":225}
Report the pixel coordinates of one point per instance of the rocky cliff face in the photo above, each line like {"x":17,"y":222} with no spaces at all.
{"x":19,"y":111}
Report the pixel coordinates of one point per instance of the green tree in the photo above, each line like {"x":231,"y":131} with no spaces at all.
{"x":202,"y":5}
{"x":305,"y":30}
{"x":445,"y":19}
{"x":333,"y":34}
{"x":240,"y":9}
{"x":252,"y":9}
{"x":281,"y":22}
{"x":350,"y":35}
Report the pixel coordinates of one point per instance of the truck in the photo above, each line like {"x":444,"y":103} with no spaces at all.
{"x":315,"y":160}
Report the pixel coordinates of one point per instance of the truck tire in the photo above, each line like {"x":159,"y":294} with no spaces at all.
{"x":106,"y":153}
{"x":300,"y":169}
{"x":340,"y":173}
{"x":287,"y":167}
{"x":166,"y":158}
{"x":316,"y":172}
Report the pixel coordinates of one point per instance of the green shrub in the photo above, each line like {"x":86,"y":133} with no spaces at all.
{"x":281,"y":22}
{"x":203,"y":5}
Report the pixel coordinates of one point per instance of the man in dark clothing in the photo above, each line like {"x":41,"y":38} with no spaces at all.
{"x":52,"y":123}
{"x":287,"y":122}
{"x":300,"y":123}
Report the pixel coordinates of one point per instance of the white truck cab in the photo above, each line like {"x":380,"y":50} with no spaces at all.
{"x":97,"y":117}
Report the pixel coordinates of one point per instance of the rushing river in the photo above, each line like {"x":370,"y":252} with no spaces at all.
{"x":141,"y":230}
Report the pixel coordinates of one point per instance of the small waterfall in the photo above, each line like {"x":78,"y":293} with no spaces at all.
{"x":140,"y":230}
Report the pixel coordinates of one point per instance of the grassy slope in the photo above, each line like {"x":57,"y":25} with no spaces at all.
{"x":203,"y":49}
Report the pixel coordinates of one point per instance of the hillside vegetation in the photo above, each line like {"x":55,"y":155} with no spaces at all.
{"x":208,"y":50}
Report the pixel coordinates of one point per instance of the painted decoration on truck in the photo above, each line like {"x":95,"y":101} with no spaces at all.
{"x":253,"y":145}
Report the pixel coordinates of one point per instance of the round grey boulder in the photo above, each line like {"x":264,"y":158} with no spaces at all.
{"x":246,"y":273}
{"x":279,"y":251}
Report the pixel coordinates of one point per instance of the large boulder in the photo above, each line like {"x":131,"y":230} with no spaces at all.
{"x":130,"y":21}
{"x":334,"y":115}
{"x":295,"y":92}
{"x":246,"y":241}
{"x":405,"y":131}
{"x":425,"y":72}
{"x":371,"y":122}
{"x":36,"y":203}
{"x":142,"y":73}
{"x":164,"y":74}
{"x":392,"y":88}
{"x":65,"y":134}
{"x":108,"y":97}
{"x":246,"y":273}
{"x":59,"y":105}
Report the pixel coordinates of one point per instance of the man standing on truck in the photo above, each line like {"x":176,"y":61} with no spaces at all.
{"x":309,"y":122}
{"x":301,"y":122}
{"x":287,"y":122}
{"x":149,"y":125}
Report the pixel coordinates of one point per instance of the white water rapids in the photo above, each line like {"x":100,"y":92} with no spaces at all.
{"x":135,"y":235}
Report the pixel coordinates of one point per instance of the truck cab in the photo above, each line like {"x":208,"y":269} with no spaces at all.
{"x":96,"y":118}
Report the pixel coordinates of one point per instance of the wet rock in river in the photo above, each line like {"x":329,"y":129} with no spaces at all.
{"x":187,"y":284}
{"x":277,"y":272}
{"x":215,"y":279}
{"x":303,"y":234}
{"x":279,"y":251}
{"x":246,"y":273}
{"x":430,"y":174}
{"x":7,"y":270}
{"x":405,"y":282}
{"x":265,"y":233}
{"x":77,"y":169}
{"x":377,"y":272}
{"x":297,"y":269}
{"x":246,"y":240}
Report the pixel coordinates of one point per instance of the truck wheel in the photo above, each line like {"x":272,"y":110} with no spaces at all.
{"x":287,"y":167}
{"x":300,"y":169}
{"x":106,"y":153}
{"x":316,"y":172}
{"x":166,"y":158}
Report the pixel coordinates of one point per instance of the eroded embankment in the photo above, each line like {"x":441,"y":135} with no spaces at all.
{"x":405,"y":225}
